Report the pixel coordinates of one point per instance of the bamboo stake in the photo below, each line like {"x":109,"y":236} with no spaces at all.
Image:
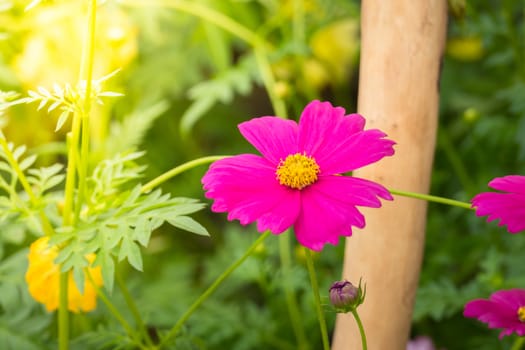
{"x":402,"y":44}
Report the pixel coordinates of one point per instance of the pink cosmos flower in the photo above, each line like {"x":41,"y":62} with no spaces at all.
{"x":508,"y":206}
{"x":505,"y":309}
{"x":297,"y":181}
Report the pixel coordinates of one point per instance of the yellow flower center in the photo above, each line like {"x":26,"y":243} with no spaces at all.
{"x":297,"y":171}
{"x":521,"y":313}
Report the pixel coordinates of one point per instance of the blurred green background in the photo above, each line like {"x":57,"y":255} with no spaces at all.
{"x":188,"y":83}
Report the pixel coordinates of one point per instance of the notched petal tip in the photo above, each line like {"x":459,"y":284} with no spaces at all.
{"x":274,"y":137}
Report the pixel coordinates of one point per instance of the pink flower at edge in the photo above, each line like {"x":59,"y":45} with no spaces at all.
{"x":508,"y":205}
{"x":504,"y":309}
{"x":297,"y":180}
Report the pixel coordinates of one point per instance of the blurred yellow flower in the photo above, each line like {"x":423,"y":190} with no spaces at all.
{"x":48,"y":51}
{"x":336,"y":46}
{"x":43,"y":276}
{"x":468,"y":48}
{"x":52,"y":49}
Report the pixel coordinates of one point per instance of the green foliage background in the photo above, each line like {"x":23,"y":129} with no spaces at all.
{"x":187,"y":84}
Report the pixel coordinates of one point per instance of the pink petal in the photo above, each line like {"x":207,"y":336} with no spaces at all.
{"x":512,"y":298}
{"x":490,"y":313}
{"x":317,"y":124}
{"x":338,"y":142}
{"x":358,"y":150}
{"x":328,"y":209}
{"x":509,"y":208}
{"x":274,"y":137}
{"x":246,"y":188}
{"x":500,"y":311}
{"x":509,"y":183}
{"x":353,"y":190}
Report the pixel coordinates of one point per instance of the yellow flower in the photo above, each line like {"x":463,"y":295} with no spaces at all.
{"x":467,"y":49}
{"x":336,"y":47}
{"x":53,"y":46}
{"x":43,"y":276}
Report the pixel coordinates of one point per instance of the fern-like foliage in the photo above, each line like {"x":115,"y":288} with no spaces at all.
{"x":223,"y":88}
{"x":119,"y":219}
{"x":69,"y":99}
{"x":19,"y":210}
{"x":21,"y":321}
{"x":129,"y":133}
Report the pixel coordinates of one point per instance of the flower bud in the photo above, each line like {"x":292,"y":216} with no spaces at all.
{"x":345,"y":297}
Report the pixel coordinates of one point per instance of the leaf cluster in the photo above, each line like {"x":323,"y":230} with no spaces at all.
{"x":20,"y":211}
{"x":68,"y":99}
{"x":119,"y":219}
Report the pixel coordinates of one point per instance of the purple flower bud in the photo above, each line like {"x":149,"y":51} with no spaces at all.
{"x":345,"y":297}
{"x":421,"y":343}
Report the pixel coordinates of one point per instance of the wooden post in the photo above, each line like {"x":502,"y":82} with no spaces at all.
{"x":402,"y":44}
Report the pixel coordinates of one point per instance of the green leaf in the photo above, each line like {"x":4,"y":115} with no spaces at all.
{"x":128,"y":134}
{"x":27,"y":162}
{"x":107,"y":266}
{"x":79,"y":278}
{"x":222,"y":88}
{"x":19,"y":151}
{"x":188,"y":224}
{"x":62,"y":119}
{"x":142,"y":231}
{"x":194,"y":113}
{"x":131,"y":251}
{"x":111,"y":238}
{"x":12,"y":339}
{"x":76,"y":260}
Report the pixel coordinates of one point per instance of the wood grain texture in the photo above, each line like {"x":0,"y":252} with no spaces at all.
{"x":402,"y":44}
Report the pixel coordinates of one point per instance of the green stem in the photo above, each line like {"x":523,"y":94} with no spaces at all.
{"x":317,"y":299}
{"x":291,"y":300}
{"x":63,"y":312}
{"x":298,"y":25}
{"x":456,"y":161}
{"x":133,"y":308}
{"x":86,"y":68}
{"x":361,"y":329}
{"x":176,"y":328}
{"x":268,"y":79}
{"x":114,"y":311}
{"x":518,"y":343}
{"x":72,"y":141}
{"x":204,"y":12}
{"x":177,"y":170}
{"x":431,"y":198}
{"x":236,"y":29}
{"x":86,"y":74}
{"x":46,"y":225}
{"x":19,"y":173}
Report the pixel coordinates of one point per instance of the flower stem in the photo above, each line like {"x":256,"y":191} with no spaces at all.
{"x":46,"y":225}
{"x":86,"y":74}
{"x":176,"y":328}
{"x":63,"y":312}
{"x":518,"y":343}
{"x":86,"y":68}
{"x":291,"y":300}
{"x":317,"y":299}
{"x":431,"y":198}
{"x":114,"y":311}
{"x":133,"y":308}
{"x":235,"y":28}
{"x":268,"y":79}
{"x":361,"y":329}
{"x":177,"y":170}
{"x":206,"y":13}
